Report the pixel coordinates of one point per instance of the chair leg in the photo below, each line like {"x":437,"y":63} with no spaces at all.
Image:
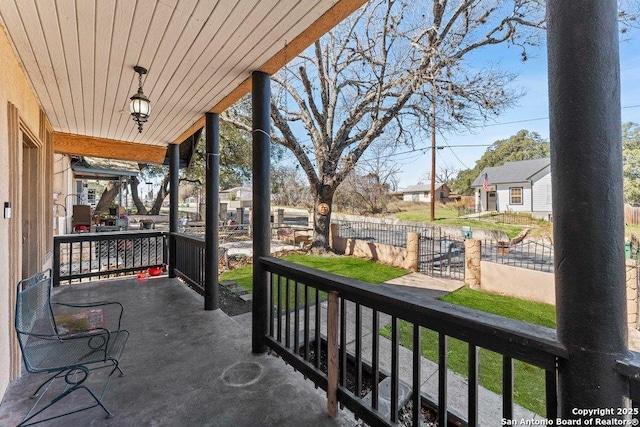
{"x":75,"y":384}
{"x":53,"y":377}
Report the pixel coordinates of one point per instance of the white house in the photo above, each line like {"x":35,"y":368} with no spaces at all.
{"x":422,"y":192}
{"x":523,"y":186}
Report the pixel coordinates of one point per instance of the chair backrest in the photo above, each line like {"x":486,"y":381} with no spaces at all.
{"x":33,"y":308}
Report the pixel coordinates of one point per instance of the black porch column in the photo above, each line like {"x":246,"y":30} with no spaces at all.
{"x":212,"y":133}
{"x":261,"y":104}
{"x":174,"y":169}
{"x":586,"y":167}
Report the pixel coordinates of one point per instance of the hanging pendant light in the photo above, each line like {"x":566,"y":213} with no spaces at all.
{"x":140,"y":106}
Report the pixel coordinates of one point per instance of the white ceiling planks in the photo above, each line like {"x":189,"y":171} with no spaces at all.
{"x":79,"y":56}
{"x":256,"y":49}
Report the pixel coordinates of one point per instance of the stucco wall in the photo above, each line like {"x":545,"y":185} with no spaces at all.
{"x":518,"y":282}
{"x":14,"y":89}
{"x":386,"y":254}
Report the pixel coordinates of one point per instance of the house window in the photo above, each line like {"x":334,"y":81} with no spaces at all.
{"x":515,"y":195}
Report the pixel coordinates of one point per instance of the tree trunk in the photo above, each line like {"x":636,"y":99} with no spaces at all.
{"x":109,"y":193}
{"x":162,"y":194}
{"x":321,"y":221}
{"x":142,"y":210}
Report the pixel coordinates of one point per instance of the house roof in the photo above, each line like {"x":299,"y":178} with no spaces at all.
{"x":105,"y":169}
{"x":79,"y":56}
{"x":520,"y":171}
{"x":421,"y":188}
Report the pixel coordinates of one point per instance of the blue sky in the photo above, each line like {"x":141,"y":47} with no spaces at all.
{"x":531,"y":113}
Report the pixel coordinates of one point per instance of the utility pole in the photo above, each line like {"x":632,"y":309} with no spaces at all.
{"x":433,"y":154}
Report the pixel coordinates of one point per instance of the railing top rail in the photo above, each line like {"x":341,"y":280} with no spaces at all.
{"x":111,"y":235}
{"x":197,"y":240}
{"x":524,"y":341}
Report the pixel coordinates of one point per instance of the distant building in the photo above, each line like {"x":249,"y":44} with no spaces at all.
{"x":422,"y":193}
{"x":522,"y":186}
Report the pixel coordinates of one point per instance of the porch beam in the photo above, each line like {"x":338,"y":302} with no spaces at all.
{"x":586,"y":165}
{"x":261,"y":104}
{"x":81,"y":145}
{"x":211,"y":285}
{"x":174,"y":168}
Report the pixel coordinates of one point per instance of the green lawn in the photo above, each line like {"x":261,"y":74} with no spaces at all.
{"x":449,"y":216}
{"x":529,"y":381}
{"x":355,"y":268}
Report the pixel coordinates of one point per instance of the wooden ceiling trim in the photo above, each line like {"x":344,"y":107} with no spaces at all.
{"x":167,"y":64}
{"x":258,"y":45}
{"x":124,"y":18}
{"x":70,"y":62}
{"x":141,"y":55}
{"x":321,"y":26}
{"x":127,"y":78}
{"x":86,"y":32}
{"x":196,"y":59}
{"x":105,"y":13}
{"x":330,"y":19}
{"x":81,"y":145}
{"x":27,"y":33}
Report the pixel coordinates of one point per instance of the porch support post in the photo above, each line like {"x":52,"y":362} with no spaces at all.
{"x":211,"y":286}
{"x":174,"y":168}
{"x":586,"y":166}
{"x":261,"y":104}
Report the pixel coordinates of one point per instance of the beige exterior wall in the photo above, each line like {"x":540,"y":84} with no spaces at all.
{"x":518,"y":282}
{"x":386,"y":254}
{"x":19,"y":112}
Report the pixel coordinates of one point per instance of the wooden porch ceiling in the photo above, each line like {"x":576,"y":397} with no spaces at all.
{"x":79,"y":56}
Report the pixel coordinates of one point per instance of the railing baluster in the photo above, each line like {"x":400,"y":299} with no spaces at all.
{"x":279,"y":305}
{"x":287,"y":323}
{"x":551,"y":395}
{"x":271,"y":305}
{"x":306,"y":322}
{"x":332,"y":354}
{"x":375,"y":357}
{"x":473,"y":386}
{"x":417,"y":361}
{"x":395,"y":338}
{"x":507,"y":387}
{"x":343,"y":342}
{"x":442,"y":379}
{"x":358,"y":350}
{"x":317,"y":330}
{"x":296,"y":318}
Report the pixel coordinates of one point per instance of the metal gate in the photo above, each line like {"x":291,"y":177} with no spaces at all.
{"x":441,"y":254}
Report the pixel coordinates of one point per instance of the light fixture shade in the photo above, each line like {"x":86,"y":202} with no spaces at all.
{"x":140,"y":106}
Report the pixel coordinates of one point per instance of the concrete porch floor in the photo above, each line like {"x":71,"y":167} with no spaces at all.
{"x":183,"y":366}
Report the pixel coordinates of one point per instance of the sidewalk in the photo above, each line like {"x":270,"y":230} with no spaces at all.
{"x":417,"y":286}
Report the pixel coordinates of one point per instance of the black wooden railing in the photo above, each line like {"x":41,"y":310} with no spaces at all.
{"x":190,"y":260}
{"x":77,"y":257}
{"x":296,"y":334}
{"x":630,"y":368}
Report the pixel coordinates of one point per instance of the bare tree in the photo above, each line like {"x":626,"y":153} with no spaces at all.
{"x":376,"y":75}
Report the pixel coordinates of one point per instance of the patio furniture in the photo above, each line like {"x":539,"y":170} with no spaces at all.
{"x":68,"y":342}
{"x":81,"y":219}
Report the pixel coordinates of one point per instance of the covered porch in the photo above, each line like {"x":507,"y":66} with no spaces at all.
{"x":183,"y":366}
{"x":186,"y":365}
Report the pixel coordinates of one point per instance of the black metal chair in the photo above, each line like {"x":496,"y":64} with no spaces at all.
{"x":68,"y":342}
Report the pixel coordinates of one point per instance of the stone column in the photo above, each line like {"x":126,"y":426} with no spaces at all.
{"x":334,"y":231}
{"x":472,"y":256}
{"x":223,"y":212}
{"x":279,"y":216}
{"x":413,"y":250}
